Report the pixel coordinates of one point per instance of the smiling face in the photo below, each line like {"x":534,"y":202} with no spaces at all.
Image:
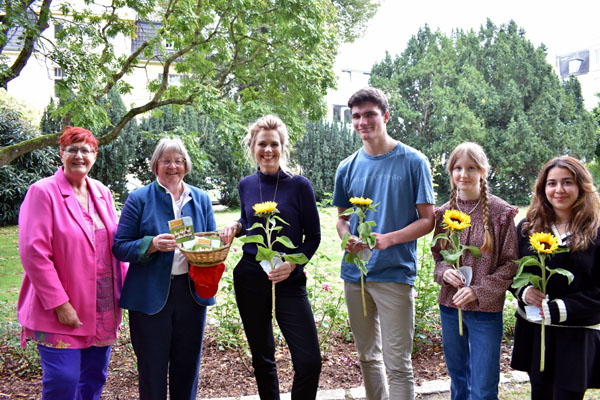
{"x":368,"y":121}
{"x":267,"y":150}
{"x":77,"y":158}
{"x":466,"y":177}
{"x":171,"y":169}
{"x":561,"y":191}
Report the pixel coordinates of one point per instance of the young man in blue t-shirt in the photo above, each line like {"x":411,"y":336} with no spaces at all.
{"x":398,"y":177}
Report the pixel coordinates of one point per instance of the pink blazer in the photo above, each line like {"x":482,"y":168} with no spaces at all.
{"x":58,"y":255}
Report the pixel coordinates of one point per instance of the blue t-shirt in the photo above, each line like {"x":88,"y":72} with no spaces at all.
{"x":398,"y":180}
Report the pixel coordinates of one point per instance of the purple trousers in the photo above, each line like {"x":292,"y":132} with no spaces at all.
{"x":77,"y":374}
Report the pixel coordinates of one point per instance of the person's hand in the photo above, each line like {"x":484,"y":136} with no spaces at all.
{"x":282,"y":272}
{"x":67,"y":315}
{"x":164,"y":242}
{"x":534,"y":297}
{"x":382,"y":241}
{"x":454,"y":278}
{"x":228,"y":232}
{"x":354,"y":245}
{"x":464,"y":296}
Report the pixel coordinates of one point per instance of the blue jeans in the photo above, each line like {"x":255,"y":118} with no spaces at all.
{"x":73,"y":373}
{"x":473,"y":360}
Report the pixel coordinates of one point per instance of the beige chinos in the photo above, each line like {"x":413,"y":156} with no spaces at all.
{"x":389,"y":320}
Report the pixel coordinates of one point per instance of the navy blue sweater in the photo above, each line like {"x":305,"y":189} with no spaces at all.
{"x":296,"y":204}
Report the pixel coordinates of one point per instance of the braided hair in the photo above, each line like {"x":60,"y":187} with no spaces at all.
{"x":477,"y":155}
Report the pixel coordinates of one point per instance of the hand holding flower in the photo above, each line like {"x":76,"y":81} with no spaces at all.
{"x":454,"y":278}
{"x":464,"y":296}
{"x":281,"y":272}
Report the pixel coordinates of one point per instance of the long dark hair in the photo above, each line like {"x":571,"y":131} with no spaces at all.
{"x":586,"y":209}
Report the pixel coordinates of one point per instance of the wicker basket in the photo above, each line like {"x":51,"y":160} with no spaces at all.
{"x":206,"y":258}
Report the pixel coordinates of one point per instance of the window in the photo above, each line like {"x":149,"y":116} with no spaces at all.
{"x":574,"y":64}
{"x":58,"y":73}
{"x":168,"y":45}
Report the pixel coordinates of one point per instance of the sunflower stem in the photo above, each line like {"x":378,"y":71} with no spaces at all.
{"x":460,"y":324}
{"x":362,"y":292}
{"x":543,"y":339}
{"x":273,"y":299}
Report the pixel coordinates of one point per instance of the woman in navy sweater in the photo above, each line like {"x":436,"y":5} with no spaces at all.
{"x":267,"y":145}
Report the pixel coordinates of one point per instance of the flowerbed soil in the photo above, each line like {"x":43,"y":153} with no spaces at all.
{"x":225,"y":373}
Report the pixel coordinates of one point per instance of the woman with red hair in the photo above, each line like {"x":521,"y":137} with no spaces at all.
{"x":69,"y":297}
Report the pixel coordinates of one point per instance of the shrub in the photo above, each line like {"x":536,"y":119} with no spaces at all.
{"x":319,"y":152}
{"x":16,"y":177}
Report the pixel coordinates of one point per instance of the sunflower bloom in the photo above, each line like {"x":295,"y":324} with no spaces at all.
{"x":268,"y":207}
{"x":544,"y":242}
{"x":456,"y":220}
{"x":360,"y":201}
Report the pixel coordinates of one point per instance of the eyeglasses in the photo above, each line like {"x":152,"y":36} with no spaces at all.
{"x":178,"y":162}
{"x":73,"y":150}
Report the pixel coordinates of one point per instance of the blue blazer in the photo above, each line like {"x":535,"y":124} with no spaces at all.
{"x":146,"y":214}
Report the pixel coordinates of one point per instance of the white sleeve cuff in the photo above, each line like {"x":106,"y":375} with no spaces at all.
{"x":546,"y":311}
{"x":523,"y":293}
{"x":562,"y":309}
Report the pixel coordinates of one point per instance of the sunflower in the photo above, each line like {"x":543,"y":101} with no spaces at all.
{"x":543,"y":242}
{"x":359,"y":201}
{"x":456,"y":220}
{"x":262,"y":209}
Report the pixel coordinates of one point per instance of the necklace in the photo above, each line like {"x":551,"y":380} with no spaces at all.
{"x":260,"y":188}
{"x":469,"y":212}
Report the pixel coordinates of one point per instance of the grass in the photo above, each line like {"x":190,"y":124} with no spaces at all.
{"x":11,"y":272}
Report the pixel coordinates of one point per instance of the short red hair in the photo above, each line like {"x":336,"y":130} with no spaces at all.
{"x":73,"y":134}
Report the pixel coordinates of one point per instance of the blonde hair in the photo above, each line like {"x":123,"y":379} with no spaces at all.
{"x":586,"y":209}
{"x":477,"y":155}
{"x":268,"y":122}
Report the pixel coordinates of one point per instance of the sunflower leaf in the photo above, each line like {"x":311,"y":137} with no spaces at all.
{"x":284,"y":240}
{"x":265,"y":254}
{"x":345,"y":240}
{"x":563,"y":272}
{"x":298,"y":258}
{"x":253,"y":239}
{"x":450,"y":256}
{"x":473,"y":249}
{"x":280,"y":219}
{"x":438,"y":237}
{"x":256,"y":225}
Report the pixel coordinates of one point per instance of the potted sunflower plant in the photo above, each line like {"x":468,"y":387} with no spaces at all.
{"x":454,"y":222}
{"x":359,"y":207}
{"x":545,"y":245}
{"x":268,"y":258}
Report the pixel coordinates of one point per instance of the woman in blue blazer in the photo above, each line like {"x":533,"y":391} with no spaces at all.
{"x":166,"y":316}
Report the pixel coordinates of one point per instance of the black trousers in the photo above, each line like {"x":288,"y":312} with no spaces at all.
{"x":169,"y":341}
{"x":296,"y":321}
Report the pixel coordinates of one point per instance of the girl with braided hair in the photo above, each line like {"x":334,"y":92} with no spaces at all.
{"x":473,"y":359}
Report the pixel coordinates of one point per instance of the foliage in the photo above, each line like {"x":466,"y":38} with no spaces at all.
{"x":427,"y":318}
{"x":238,"y":59}
{"x":327,"y":300}
{"x":114,"y":159}
{"x":15,"y":361}
{"x":218,"y":159}
{"x":320,"y":150}
{"x":16,"y":177}
{"x":492,"y":87}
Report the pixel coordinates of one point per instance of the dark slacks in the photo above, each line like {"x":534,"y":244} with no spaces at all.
{"x":296,"y":321}
{"x":169,"y":341}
